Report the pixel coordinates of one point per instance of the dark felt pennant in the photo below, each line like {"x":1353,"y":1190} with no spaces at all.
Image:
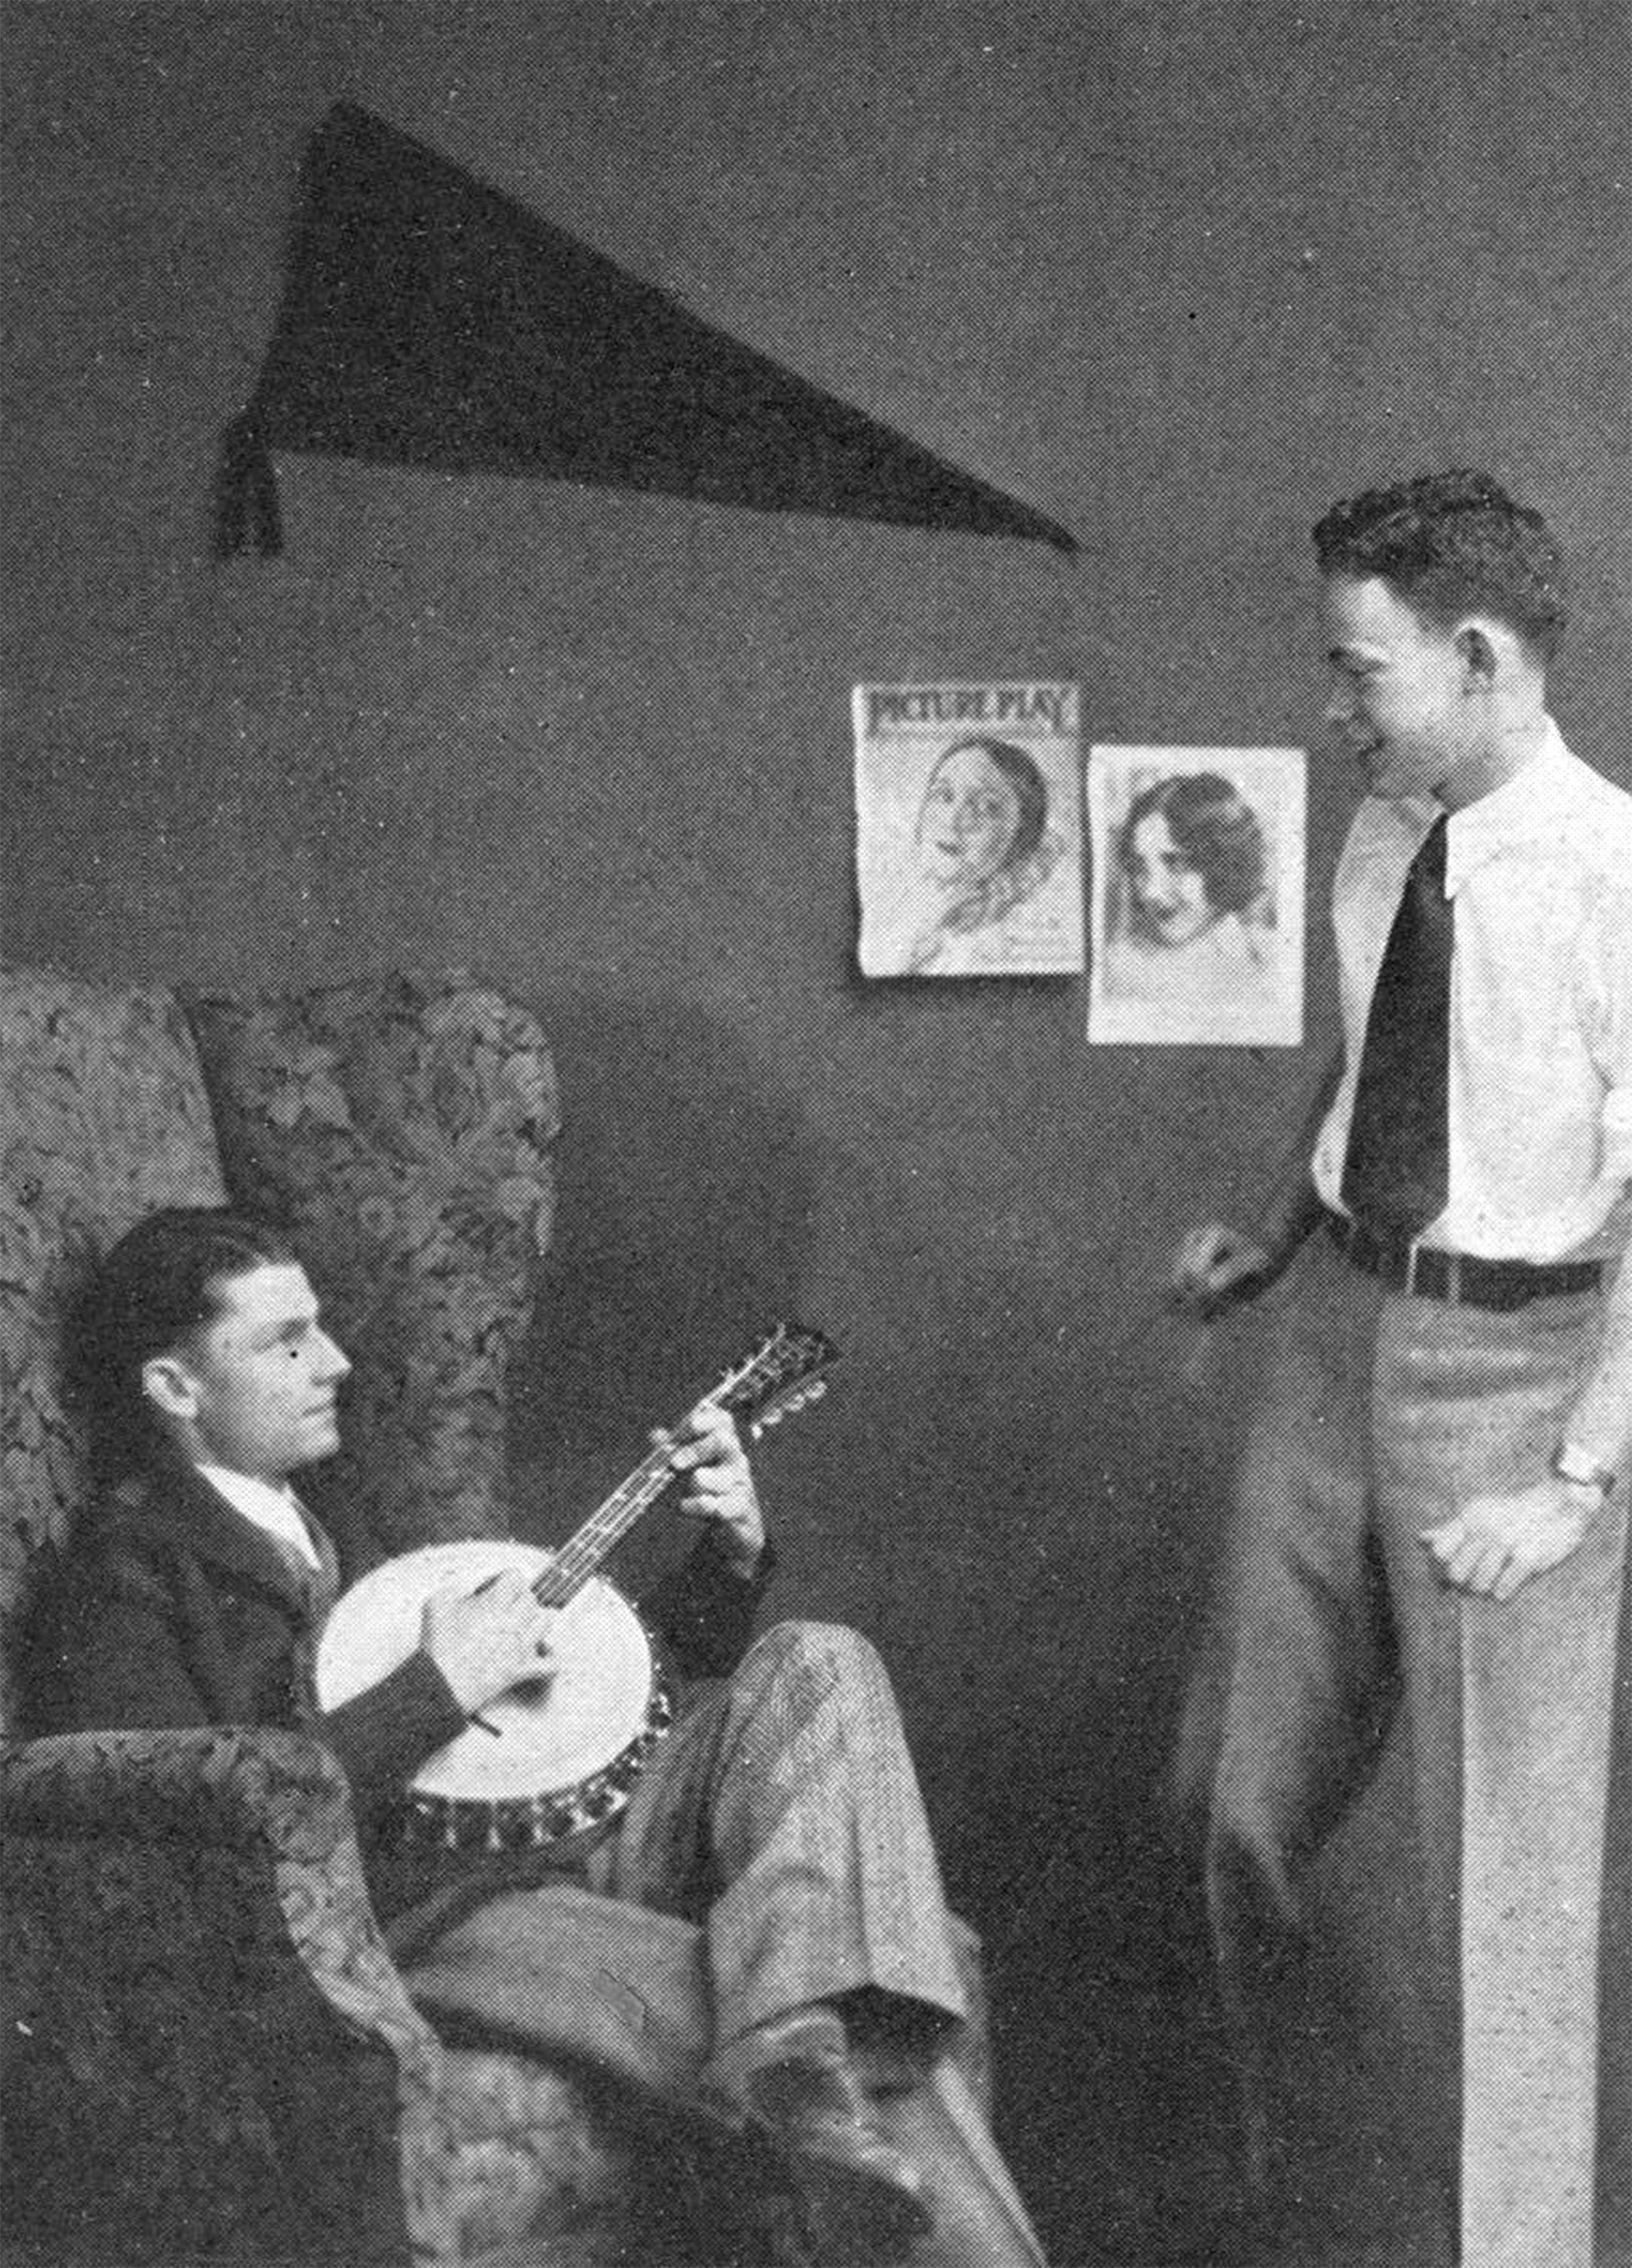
{"x":429,"y":320}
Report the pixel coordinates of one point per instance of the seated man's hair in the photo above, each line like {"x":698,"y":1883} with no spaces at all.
{"x":1451,"y":544}
{"x":158,"y":1285}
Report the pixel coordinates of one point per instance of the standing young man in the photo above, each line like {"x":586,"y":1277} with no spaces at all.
{"x":1451,"y":1397}
{"x":781,"y":1815}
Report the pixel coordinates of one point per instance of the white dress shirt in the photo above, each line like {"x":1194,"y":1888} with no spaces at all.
{"x":274,"y":1511}
{"x":1540,"y":871}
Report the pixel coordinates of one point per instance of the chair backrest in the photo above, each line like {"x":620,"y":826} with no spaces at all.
{"x":400,"y":1129}
{"x":103,"y":1116}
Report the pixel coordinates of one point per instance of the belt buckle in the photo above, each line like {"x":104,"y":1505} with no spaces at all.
{"x":1452,"y":1262}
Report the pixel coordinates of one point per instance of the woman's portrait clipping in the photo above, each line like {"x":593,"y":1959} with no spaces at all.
{"x":1197,"y":895}
{"x":968,"y":830}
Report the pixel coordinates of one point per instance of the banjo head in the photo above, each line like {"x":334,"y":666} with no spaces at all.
{"x":545,"y":1737}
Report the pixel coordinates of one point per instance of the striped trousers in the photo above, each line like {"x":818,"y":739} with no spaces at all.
{"x":783,"y":1815}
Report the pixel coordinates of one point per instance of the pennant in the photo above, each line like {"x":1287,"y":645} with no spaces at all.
{"x":429,"y":320}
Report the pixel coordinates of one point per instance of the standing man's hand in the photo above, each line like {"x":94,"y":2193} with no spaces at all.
{"x":1497,"y":1543}
{"x":1219,"y":1267}
{"x":707,"y":1451}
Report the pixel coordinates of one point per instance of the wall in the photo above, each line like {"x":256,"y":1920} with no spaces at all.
{"x":1180,"y":277}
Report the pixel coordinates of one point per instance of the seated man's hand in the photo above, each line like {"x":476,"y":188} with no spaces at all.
{"x":707,"y":1452}
{"x":487,"y":1641}
{"x":1495,"y":1543}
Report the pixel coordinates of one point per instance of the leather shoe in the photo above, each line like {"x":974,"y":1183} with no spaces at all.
{"x":793,"y":2079}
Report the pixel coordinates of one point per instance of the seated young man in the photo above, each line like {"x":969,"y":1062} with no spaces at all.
{"x":781,"y":1812}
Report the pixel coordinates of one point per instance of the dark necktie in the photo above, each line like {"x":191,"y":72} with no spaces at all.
{"x":317,"y":1590}
{"x":1396,"y":1170}
{"x":321,"y":1583}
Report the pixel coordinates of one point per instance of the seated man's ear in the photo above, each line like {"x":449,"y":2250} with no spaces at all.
{"x":170,"y":1386}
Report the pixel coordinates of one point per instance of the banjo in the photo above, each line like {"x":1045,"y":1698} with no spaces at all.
{"x":558,"y":1754}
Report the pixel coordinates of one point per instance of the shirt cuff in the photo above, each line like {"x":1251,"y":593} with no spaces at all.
{"x":1617,"y":1123}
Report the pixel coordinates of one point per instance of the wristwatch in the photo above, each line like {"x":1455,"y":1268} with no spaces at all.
{"x":1581,"y":1469}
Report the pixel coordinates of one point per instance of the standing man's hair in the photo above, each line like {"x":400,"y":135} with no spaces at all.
{"x":1451,"y":544}
{"x":158,"y":1286}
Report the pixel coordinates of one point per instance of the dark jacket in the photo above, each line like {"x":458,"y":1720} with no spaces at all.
{"x":172,"y":1609}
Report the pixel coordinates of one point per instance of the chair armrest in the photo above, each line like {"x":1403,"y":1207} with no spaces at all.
{"x":207,"y":2048}
{"x":273,"y":1796}
{"x":225,"y":1787}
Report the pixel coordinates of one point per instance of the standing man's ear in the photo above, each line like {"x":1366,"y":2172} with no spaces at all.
{"x":170,"y":1387}
{"x":1477,"y":645}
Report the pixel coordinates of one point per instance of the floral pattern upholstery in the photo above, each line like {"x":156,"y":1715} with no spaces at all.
{"x":196,"y":1863}
{"x":402,"y":1132}
{"x":102,"y":1117}
{"x":209,"y":2053}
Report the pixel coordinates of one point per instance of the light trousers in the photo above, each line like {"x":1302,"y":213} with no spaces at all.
{"x":1383,"y":1414}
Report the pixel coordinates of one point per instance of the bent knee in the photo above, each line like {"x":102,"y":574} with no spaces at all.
{"x":809,"y":1660}
{"x":1255,"y":1849}
{"x":831,"y":1644}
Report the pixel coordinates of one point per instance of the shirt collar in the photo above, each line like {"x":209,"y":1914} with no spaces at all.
{"x":276,"y":1511}
{"x":1537,"y":802}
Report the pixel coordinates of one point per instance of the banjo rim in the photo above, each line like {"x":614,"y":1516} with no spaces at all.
{"x":494,"y":1821}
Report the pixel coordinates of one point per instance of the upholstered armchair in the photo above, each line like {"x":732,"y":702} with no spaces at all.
{"x":209,"y":2054}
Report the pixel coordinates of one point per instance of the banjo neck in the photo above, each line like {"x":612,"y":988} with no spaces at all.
{"x":784,"y":1372}
{"x":578,"y":1559}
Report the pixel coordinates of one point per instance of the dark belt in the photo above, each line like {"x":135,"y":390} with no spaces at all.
{"x":1462,"y":1278}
